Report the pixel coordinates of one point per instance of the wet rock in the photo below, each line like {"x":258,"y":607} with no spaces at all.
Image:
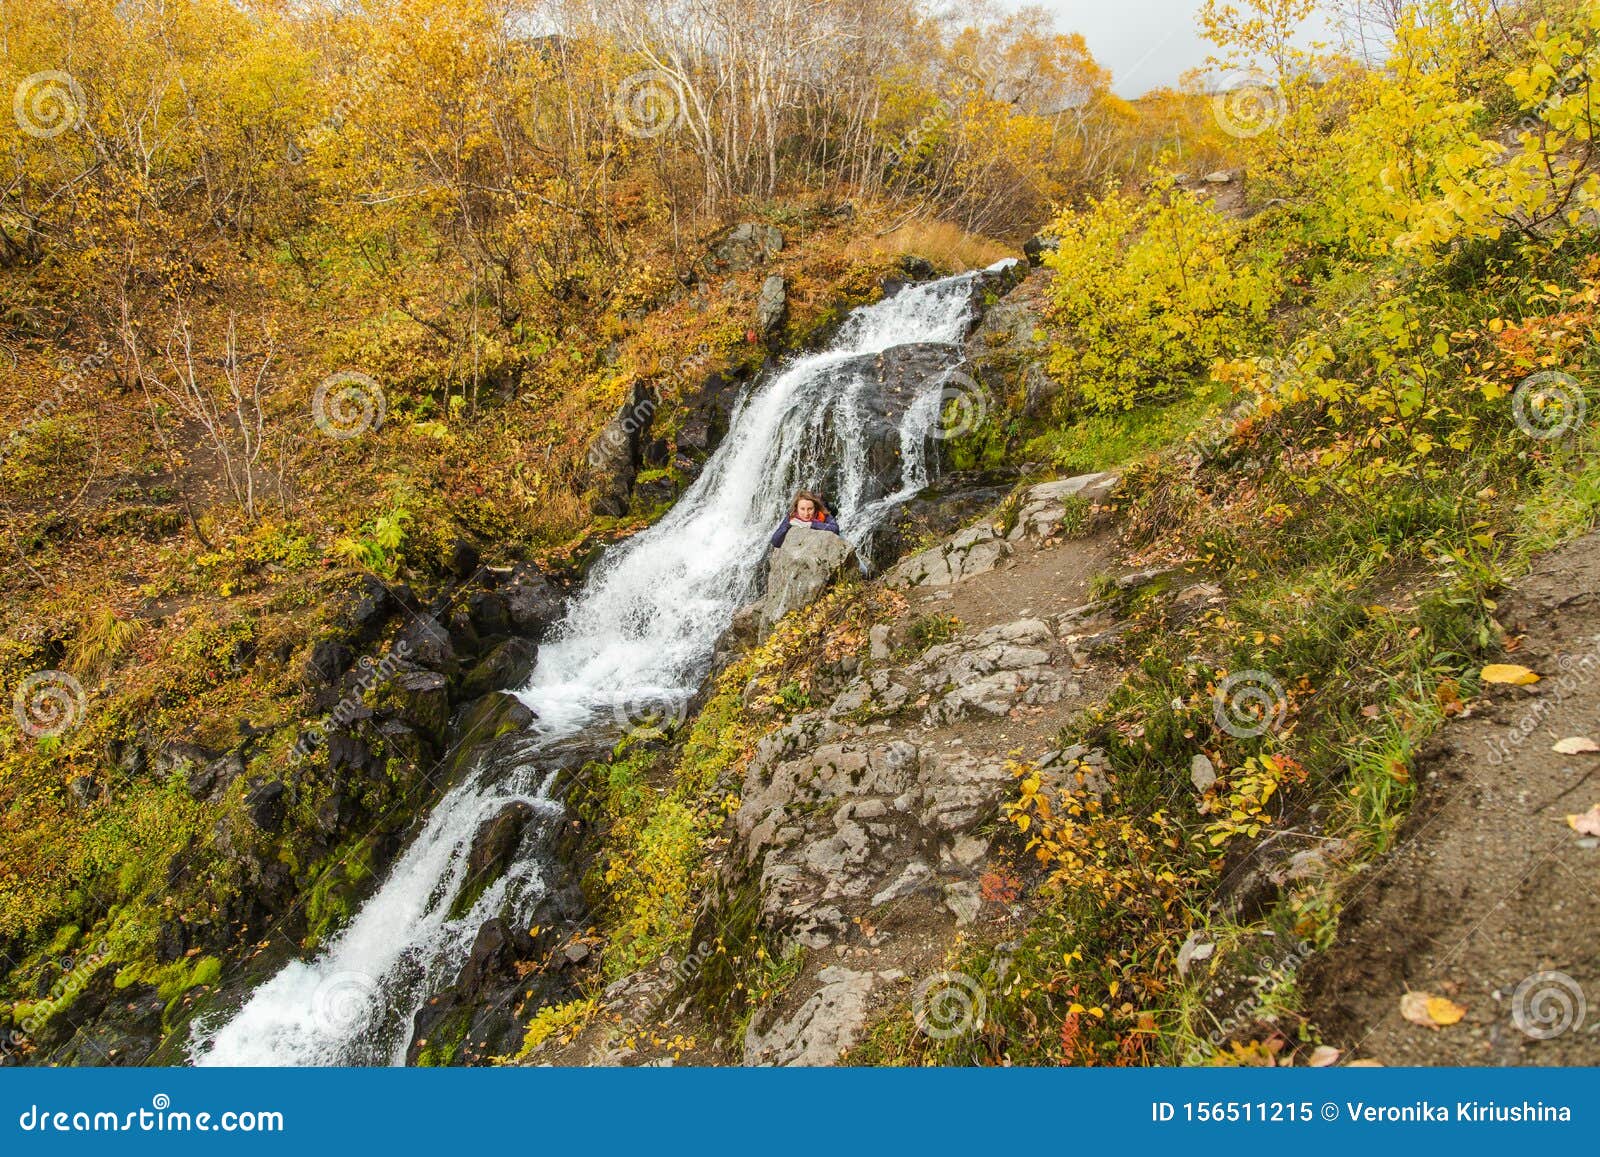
{"x":494,"y":847}
{"x":422,"y":699}
{"x":614,"y":455}
{"x":267,"y":805}
{"x":772,"y":307}
{"x":463,"y":558}
{"x":532,"y":601}
{"x":207,"y":781}
{"x":1036,"y":247}
{"x":747,"y":244}
{"x":917,"y":268}
{"x":172,"y":941}
{"x":426,"y":643}
{"x":809,"y":561}
{"x":495,"y":952}
{"x":506,"y":667}
{"x":329,"y":660}
{"x":489,"y":615}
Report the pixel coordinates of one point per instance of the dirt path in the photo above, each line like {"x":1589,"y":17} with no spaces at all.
{"x":1489,"y":897}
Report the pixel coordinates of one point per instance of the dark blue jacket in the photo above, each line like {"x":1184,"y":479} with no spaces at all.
{"x":782,"y":532}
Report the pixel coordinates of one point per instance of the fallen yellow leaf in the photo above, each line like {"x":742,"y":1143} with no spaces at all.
{"x":1587,"y":824}
{"x":1575,"y":745}
{"x":1430,"y":1011}
{"x":1507,"y":673}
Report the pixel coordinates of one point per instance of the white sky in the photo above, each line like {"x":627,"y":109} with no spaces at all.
{"x":1145,"y":43}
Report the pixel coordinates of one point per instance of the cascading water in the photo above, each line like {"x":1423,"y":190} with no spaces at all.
{"x":638,"y":639}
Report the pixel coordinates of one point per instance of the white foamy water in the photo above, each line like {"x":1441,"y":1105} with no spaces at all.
{"x":639,"y":635}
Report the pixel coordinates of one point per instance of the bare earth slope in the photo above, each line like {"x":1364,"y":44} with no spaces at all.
{"x":1489,"y":897}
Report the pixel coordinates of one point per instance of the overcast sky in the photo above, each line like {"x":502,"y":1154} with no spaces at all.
{"x":1145,"y":43}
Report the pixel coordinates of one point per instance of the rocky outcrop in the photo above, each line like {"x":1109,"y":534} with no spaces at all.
{"x":974,"y":551}
{"x":1045,"y":506}
{"x":747,"y":244}
{"x":808,"y":562}
{"x":614,"y":455}
{"x":772,"y":307}
{"x":822,"y":1028}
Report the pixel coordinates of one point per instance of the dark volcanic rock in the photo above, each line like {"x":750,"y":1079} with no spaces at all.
{"x":504,"y":668}
{"x":267,"y":806}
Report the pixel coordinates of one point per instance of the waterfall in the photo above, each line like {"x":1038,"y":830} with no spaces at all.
{"x":636,"y":641}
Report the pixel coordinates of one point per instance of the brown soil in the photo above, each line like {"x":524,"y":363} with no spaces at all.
{"x":1488,"y":888}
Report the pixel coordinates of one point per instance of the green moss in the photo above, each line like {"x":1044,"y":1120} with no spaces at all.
{"x":440,"y":1047}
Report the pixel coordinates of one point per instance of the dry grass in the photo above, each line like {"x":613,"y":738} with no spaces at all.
{"x":947,"y":245}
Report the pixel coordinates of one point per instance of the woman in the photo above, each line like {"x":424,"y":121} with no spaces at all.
{"x":805,"y":510}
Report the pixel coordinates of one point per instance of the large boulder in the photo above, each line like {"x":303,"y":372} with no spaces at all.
{"x":772,"y":307}
{"x":747,"y":244}
{"x":1045,"y":506}
{"x":802,"y":569}
{"x":614,"y":455}
{"x":976,"y":550}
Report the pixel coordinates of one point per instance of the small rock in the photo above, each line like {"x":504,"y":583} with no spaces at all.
{"x":1202,"y":773}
